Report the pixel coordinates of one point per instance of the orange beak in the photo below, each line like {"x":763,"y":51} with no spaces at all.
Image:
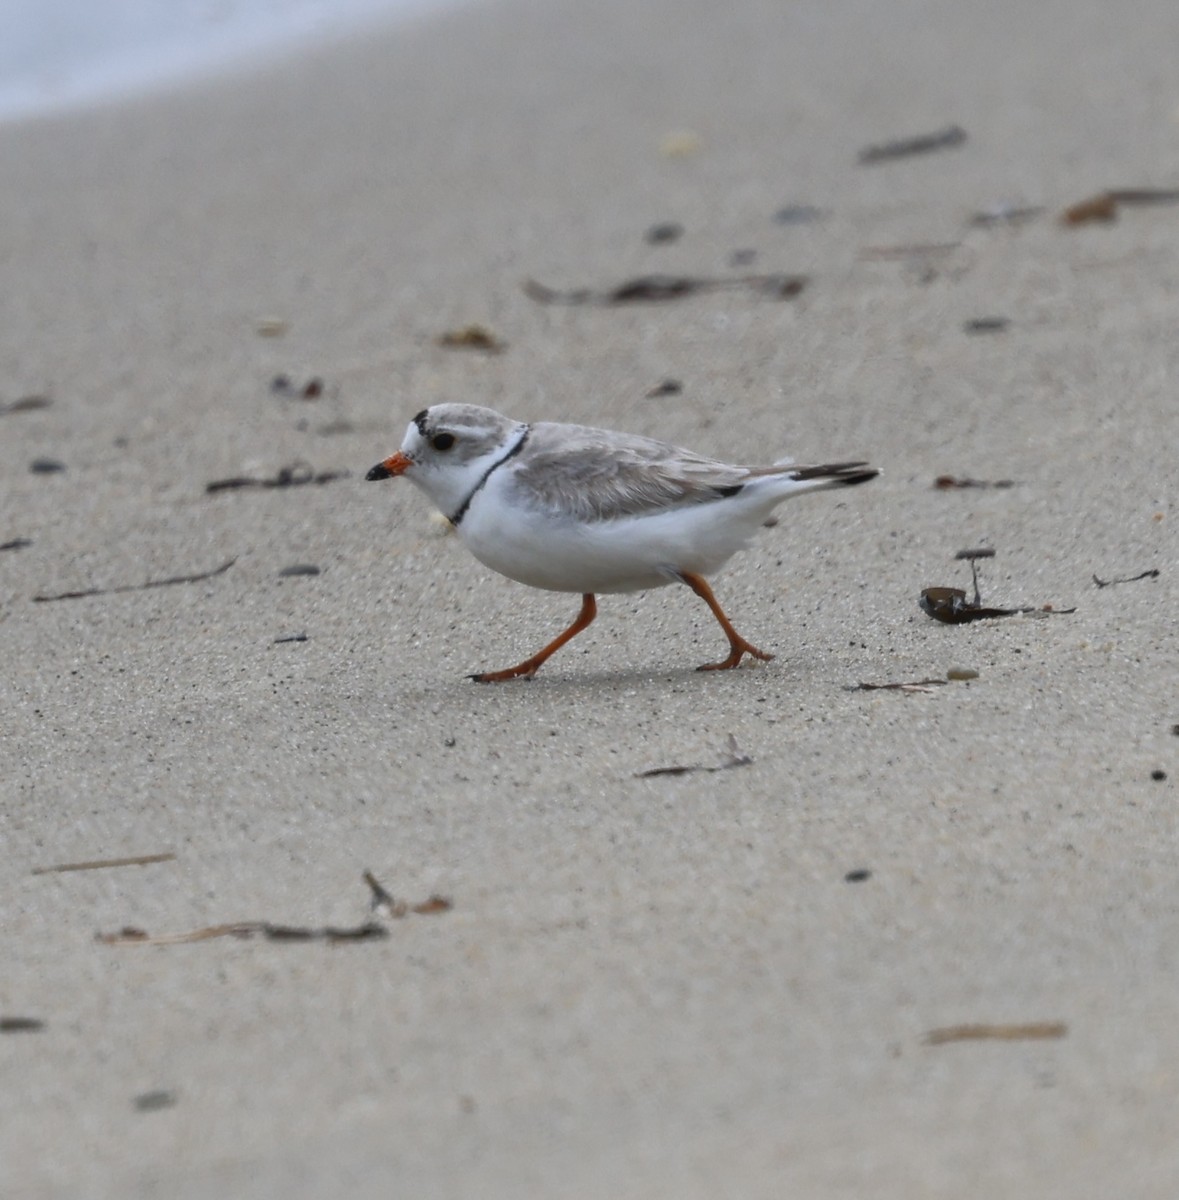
{"x":395,"y":464}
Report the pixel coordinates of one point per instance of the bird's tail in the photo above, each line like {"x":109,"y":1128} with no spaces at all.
{"x":832,"y":474}
{"x":793,"y":478}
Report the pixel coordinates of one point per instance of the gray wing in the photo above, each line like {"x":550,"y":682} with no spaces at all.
{"x":597,"y":475}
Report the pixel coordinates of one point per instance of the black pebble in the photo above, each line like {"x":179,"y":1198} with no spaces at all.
{"x":857,"y":876}
{"x":665,"y":231}
{"x":1158,"y":776}
{"x":46,"y":466}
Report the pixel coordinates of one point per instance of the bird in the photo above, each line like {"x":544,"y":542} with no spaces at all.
{"x":569,"y":508}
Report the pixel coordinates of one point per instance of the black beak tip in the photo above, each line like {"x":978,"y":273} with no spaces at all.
{"x":380,"y":471}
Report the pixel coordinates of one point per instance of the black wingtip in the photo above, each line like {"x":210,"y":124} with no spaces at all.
{"x":380,"y":471}
{"x":838,"y":474}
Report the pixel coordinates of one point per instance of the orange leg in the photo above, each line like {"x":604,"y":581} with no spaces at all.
{"x":530,"y":666}
{"x":738,"y":646}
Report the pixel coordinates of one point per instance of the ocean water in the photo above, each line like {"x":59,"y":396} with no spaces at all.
{"x":57,"y":54}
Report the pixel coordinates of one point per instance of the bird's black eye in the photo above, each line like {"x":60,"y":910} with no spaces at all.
{"x":442,"y":441}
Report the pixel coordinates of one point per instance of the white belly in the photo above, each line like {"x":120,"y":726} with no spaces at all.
{"x":629,"y":555}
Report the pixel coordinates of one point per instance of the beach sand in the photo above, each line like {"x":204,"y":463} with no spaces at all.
{"x":646,"y":986}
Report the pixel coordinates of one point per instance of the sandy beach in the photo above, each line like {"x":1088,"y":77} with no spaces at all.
{"x":716,"y":982}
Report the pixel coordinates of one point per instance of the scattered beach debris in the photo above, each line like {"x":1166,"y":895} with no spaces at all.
{"x":297,"y":474}
{"x":382,"y":903}
{"x":949,"y":483}
{"x":16,"y":544}
{"x":46,"y":466}
{"x":734,"y":757}
{"x":471,"y":337}
{"x":663,"y":232}
{"x":1158,"y":775}
{"x":154,"y":1101}
{"x":293,"y":637}
{"x":1005,"y":214}
{"x":859,"y":875}
{"x":140,"y":587}
{"x":21,"y":1025}
{"x":950,"y":605}
{"x":986,"y":324}
{"x":25,"y":404}
{"x":665,"y":387}
{"x":129,"y":935}
{"x":281,"y":385}
{"x":297,"y":569}
{"x":1032,"y":1031}
{"x":1103,"y":207}
{"x":798,"y":214}
{"x":101,"y":864}
{"x":270,"y":327}
{"x":915,"y":687}
{"x":922,"y":143}
{"x":961,"y":674}
{"x":1153,"y":573}
{"x":655,"y":289}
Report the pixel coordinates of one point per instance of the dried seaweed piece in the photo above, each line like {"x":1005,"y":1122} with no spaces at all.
{"x":911,"y":688}
{"x":656,"y":289}
{"x":949,"y":483}
{"x":1104,"y":206}
{"x":25,"y":404}
{"x":99,"y":864}
{"x":950,"y":606}
{"x":141,"y":587}
{"x":21,"y":1025}
{"x":382,"y":902}
{"x":292,"y":637}
{"x":735,"y":757}
{"x":16,"y":544}
{"x":1032,"y":1031}
{"x":471,"y":337}
{"x":1153,"y":573}
{"x":665,"y":387}
{"x":298,"y":569}
{"x":924,"y":143}
{"x":131,"y":936}
{"x":296,"y":474}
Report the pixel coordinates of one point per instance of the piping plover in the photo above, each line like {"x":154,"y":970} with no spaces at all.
{"x":573,"y":509}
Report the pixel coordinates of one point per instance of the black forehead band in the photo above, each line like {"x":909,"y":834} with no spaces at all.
{"x":420,"y":421}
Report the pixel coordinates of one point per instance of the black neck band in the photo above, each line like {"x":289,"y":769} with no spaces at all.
{"x":461,"y":511}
